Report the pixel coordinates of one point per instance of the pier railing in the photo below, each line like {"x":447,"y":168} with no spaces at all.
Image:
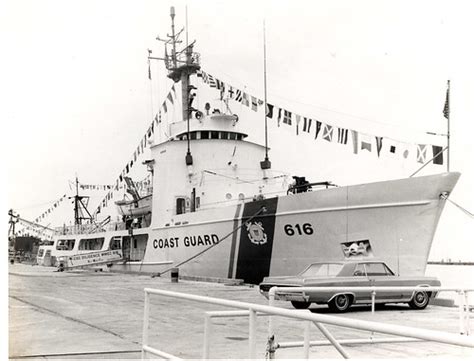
{"x":463,"y":294}
{"x":318,"y":319}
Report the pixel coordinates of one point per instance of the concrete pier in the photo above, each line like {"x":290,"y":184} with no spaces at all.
{"x":97,"y":315}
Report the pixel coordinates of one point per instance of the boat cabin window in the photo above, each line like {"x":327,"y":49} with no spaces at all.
{"x":192,"y":135}
{"x":214,"y":135}
{"x":91,"y":244}
{"x":115,"y":243}
{"x":40,"y":252}
{"x":65,"y":244}
{"x":204,"y":135}
{"x":224,"y":135}
{"x":180,"y":205}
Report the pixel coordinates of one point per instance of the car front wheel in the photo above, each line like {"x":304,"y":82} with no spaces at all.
{"x":420,"y":300}
{"x":340,"y":303}
{"x":300,"y":305}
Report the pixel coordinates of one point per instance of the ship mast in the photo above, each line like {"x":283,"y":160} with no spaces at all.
{"x":265,"y":164}
{"x":181,"y":65}
{"x":79,"y":206}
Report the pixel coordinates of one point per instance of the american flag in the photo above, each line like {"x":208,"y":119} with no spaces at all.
{"x":446,"y":104}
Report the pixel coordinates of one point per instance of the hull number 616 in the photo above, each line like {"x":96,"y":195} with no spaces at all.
{"x":298,"y":229}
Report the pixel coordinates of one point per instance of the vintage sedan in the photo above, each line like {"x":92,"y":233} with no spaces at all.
{"x":344,"y":275}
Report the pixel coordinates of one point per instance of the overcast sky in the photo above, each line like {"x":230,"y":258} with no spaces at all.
{"x":76,"y":97}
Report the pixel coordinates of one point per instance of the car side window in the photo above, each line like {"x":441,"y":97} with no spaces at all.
{"x":359,"y":270}
{"x":376,"y":269}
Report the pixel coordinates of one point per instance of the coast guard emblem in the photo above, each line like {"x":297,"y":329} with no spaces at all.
{"x":256,"y":233}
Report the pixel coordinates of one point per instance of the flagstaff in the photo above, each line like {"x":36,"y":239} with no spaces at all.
{"x":446,"y":112}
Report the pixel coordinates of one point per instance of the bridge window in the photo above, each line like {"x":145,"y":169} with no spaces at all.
{"x":224,"y":135}
{"x":204,"y":135}
{"x":214,"y":135}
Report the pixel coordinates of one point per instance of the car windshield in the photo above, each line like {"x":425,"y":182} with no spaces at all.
{"x":322,"y":270}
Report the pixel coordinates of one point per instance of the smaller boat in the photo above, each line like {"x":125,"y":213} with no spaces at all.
{"x":138,"y":205}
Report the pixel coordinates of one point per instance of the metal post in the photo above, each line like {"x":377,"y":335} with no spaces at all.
{"x":307,"y":329}
{"x":271,"y":303}
{"x":466,"y":314}
{"x":207,"y":334}
{"x":373,"y":302}
{"x":146,"y":316}
{"x":331,"y":339}
{"x":461,"y":312}
{"x":252,"y":333}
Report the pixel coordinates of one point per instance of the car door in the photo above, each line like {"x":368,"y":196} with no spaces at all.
{"x":380,"y":276}
{"x":359,"y":279}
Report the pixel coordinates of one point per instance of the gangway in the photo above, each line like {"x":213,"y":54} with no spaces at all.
{"x":90,"y":259}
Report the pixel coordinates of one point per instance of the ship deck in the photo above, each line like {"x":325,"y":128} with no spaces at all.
{"x":86,"y":314}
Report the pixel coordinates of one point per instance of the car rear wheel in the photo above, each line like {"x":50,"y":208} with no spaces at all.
{"x":340,"y":303}
{"x":420,"y":300}
{"x":300,"y":305}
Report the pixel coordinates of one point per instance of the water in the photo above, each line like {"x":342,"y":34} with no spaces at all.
{"x":453,"y":276}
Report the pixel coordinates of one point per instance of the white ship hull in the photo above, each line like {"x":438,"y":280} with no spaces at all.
{"x":396,"y":221}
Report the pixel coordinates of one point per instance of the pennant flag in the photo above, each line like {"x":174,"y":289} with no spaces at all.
{"x":279,"y":116}
{"x":318,"y":128}
{"x":298,"y":120}
{"x":269,"y":110}
{"x":170,"y":97}
{"x":245,"y":99}
{"x":165,"y":108}
{"x":260,"y":102}
{"x":355,"y":141}
{"x":231,"y":92}
{"x":446,"y":104}
{"x":421,"y":153}
{"x":391,"y":148}
{"x":173,"y":89}
{"x":342,"y":135}
{"x":365,"y":142}
{"x":437,"y":154}
{"x":149,"y":70}
{"x":327,"y":132}
{"x":238,"y":95}
{"x":205,"y":78}
{"x":199,"y":73}
{"x":254,"y":103}
{"x":307,"y":124}
{"x":212,"y":81}
{"x":287,"y":117}
{"x":379,"y":144}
